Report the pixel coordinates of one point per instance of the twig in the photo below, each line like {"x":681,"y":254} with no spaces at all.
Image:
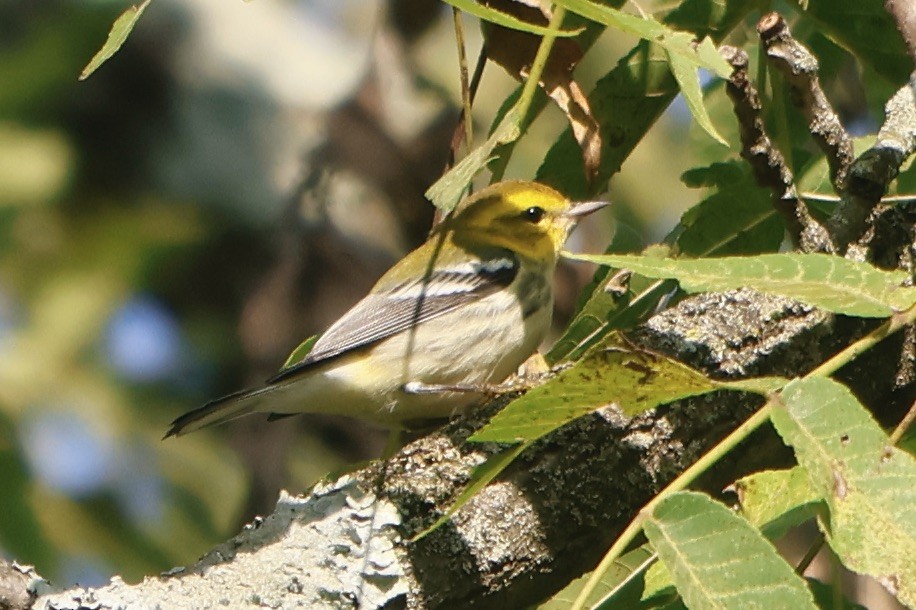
{"x":812,"y":553}
{"x":904,"y":14}
{"x":464,"y":127}
{"x":687,"y":477}
{"x":463,"y":133}
{"x":537,"y":67}
{"x":870,"y":174}
{"x":527,"y":105}
{"x":766,"y":160}
{"x":800,"y":70}
{"x":904,"y":425}
{"x":465,"y":120}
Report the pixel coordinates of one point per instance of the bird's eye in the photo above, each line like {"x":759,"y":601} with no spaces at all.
{"x":533,"y":214}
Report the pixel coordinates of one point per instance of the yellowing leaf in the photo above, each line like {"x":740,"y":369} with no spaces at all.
{"x":868,"y":485}
{"x":301,"y":351}
{"x":830,"y":282}
{"x":119,"y":32}
{"x":685,"y":73}
{"x":635,"y":381}
{"x":777,"y":500}
{"x":447,"y":191}
{"x":718,"y":560}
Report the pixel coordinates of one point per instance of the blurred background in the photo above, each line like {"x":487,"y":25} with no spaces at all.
{"x":170,"y":229}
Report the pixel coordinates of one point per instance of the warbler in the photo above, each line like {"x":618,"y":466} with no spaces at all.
{"x":457,"y":315}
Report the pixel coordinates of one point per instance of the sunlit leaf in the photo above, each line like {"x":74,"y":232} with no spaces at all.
{"x":685,"y":73}
{"x":301,"y":351}
{"x":718,"y":560}
{"x":867,"y":30}
{"x":618,"y":588}
{"x":482,"y":11}
{"x":659,"y":592}
{"x":448,"y":190}
{"x":118,"y":34}
{"x":679,"y":43}
{"x":830,"y":282}
{"x":868,"y":485}
{"x":737,"y":217}
{"x":633,"y":380}
{"x":775,"y":501}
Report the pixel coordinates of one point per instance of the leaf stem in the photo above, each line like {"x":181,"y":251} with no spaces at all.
{"x":760,"y":417}
{"x":904,"y":425}
{"x":854,"y":350}
{"x":465,"y":86}
{"x":681,"y":482}
{"x":525,"y":103}
{"x":538,"y":65}
{"x":813,"y":552}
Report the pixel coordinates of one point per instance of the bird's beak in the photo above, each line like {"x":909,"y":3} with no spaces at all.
{"x":584,"y":208}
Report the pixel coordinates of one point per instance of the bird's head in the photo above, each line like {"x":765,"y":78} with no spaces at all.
{"x":527,"y":218}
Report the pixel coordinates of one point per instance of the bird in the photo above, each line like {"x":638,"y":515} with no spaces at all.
{"x":454,"y":317}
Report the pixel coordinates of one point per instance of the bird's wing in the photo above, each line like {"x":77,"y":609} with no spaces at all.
{"x":398,"y":307}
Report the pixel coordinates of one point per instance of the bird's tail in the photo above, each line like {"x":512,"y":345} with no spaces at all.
{"x":219,"y":411}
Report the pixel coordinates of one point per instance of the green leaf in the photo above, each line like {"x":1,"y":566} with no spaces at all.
{"x":868,"y":485}
{"x":605,"y":307}
{"x":605,"y":313}
{"x":736,"y":218}
{"x":447,"y":191}
{"x":631,"y":97}
{"x":677,"y":43}
{"x":712,"y":18}
{"x":659,"y":591}
{"x":119,"y":32}
{"x":300,"y":352}
{"x":867,"y":31}
{"x":626,"y":102}
{"x":486,"y":13}
{"x":480,"y":478}
{"x":618,"y":588}
{"x":633,"y":380}
{"x":757,"y":385}
{"x":775,"y":501}
{"x":685,"y":73}
{"x":830,"y":282}
{"x":718,"y":560}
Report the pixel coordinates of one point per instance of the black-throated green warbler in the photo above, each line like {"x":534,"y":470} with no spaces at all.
{"x":462,"y":311}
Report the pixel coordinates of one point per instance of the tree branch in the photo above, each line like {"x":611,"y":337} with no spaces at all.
{"x":545,"y":520}
{"x":800,"y":68}
{"x":767,"y":162}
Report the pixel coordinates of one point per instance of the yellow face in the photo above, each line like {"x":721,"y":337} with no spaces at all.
{"x":530,"y":219}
